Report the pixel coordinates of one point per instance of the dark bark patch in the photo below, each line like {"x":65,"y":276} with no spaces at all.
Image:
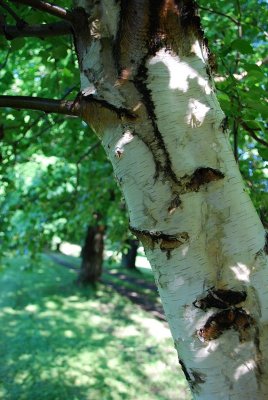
{"x":203,"y":176}
{"x":155,"y":142}
{"x":224,"y":125}
{"x":119,"y":111}
{"x":132,"y":36}
{"x":82,"y":36}
{"x":194,"y":378}
{"x":222,"y":321}
{"x":264,"y":251}
{"x":258,"y":357}
{"x":174,"y":204}
{"x":166,"y":243}
{"x":220,"y":298}
{"x":184,"y":370}
{"x":266,"y":244}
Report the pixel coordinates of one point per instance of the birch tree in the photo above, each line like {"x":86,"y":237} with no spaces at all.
{"x":148,"y":93}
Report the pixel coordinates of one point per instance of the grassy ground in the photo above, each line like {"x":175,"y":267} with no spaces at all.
{"x":62,"y":342}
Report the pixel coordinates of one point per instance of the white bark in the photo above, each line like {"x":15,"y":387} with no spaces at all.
{"x":186,"y":202}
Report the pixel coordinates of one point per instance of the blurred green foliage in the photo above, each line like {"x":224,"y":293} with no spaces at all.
{"x":237,"y":32}
{"x":53,"y":172}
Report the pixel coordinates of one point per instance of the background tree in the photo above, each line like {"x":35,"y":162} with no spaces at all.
{"x":223,"y":235}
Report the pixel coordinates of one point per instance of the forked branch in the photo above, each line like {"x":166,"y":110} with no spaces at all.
{"x":253,"y":134}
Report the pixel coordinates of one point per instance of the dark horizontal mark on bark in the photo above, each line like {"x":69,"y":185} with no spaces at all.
{"x":166,"y":243}
{"x":220,"y":298}
{"x":218,"y":323}
{"x":203,"y":176}
{"x":200,"y":177}
{"x":120,"y":111}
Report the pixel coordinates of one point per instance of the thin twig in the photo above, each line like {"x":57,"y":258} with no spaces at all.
{"x":252,"y":133}
{"x":77,"y":164}
{"x":93,"y":147}
{"x":41,"y":31}
{"x":219,"y":13}
{"x":235,"y":133}
{"x":19,"y":21}
{"x":69,"y":90}
{"x":47,"y":7}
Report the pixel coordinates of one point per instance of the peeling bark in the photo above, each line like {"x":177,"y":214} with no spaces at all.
{"x":182,"y":187}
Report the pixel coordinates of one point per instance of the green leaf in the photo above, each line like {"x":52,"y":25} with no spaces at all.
{"x":263,"y":152}
{"x":253,"y":124}
{"x":243,"y":46}
{"x":252,"y":68}
{"x":17,"y":44}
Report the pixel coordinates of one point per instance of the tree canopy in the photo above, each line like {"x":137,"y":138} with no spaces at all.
{"x":54,"y":174}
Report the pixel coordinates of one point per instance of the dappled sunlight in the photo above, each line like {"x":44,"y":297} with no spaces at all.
{"x":196,"y":113}
{"x":67,"y":342}
{"x":181,"y":71}
{"x":69,"y":334}
{"x":128,"y":331}
{"x":241,"y":271}
{"x":154,"y":370}
{"x":70,"y":249}
{"x":51,"y":305}
{"x":244,"y":369}
{"x":153,"y":327}
{"x":206,"y":350}
{"x":32,"y":308}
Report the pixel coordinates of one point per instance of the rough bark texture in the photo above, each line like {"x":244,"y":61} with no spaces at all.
{"x":92,"y":255}
{"x":145,"y":74}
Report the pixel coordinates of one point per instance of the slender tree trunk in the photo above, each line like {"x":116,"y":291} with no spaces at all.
{"x":92,"y":255}
{"x":145,"y":75}
{"x":129,"y":258}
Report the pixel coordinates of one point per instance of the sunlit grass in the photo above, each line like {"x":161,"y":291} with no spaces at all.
{"x":62,"y":342}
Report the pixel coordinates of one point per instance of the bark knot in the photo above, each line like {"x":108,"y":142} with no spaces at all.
{"x":230,"y":316}
{"x":166,"y":242}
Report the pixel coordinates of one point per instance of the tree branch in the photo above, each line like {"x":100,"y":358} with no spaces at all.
{"x":66,"y":107}
{"x":47,"y":7}
{"x":219,"y":13}
{"x":253,"y":134}
{"x":93,"y":147}
{"x":41,"y":31}
{"x":19,"y":21}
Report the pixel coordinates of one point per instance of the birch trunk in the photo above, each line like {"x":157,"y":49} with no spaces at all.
{"x":145,"y":76}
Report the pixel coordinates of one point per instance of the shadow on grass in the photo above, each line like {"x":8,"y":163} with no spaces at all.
{"x":60,"y":341}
